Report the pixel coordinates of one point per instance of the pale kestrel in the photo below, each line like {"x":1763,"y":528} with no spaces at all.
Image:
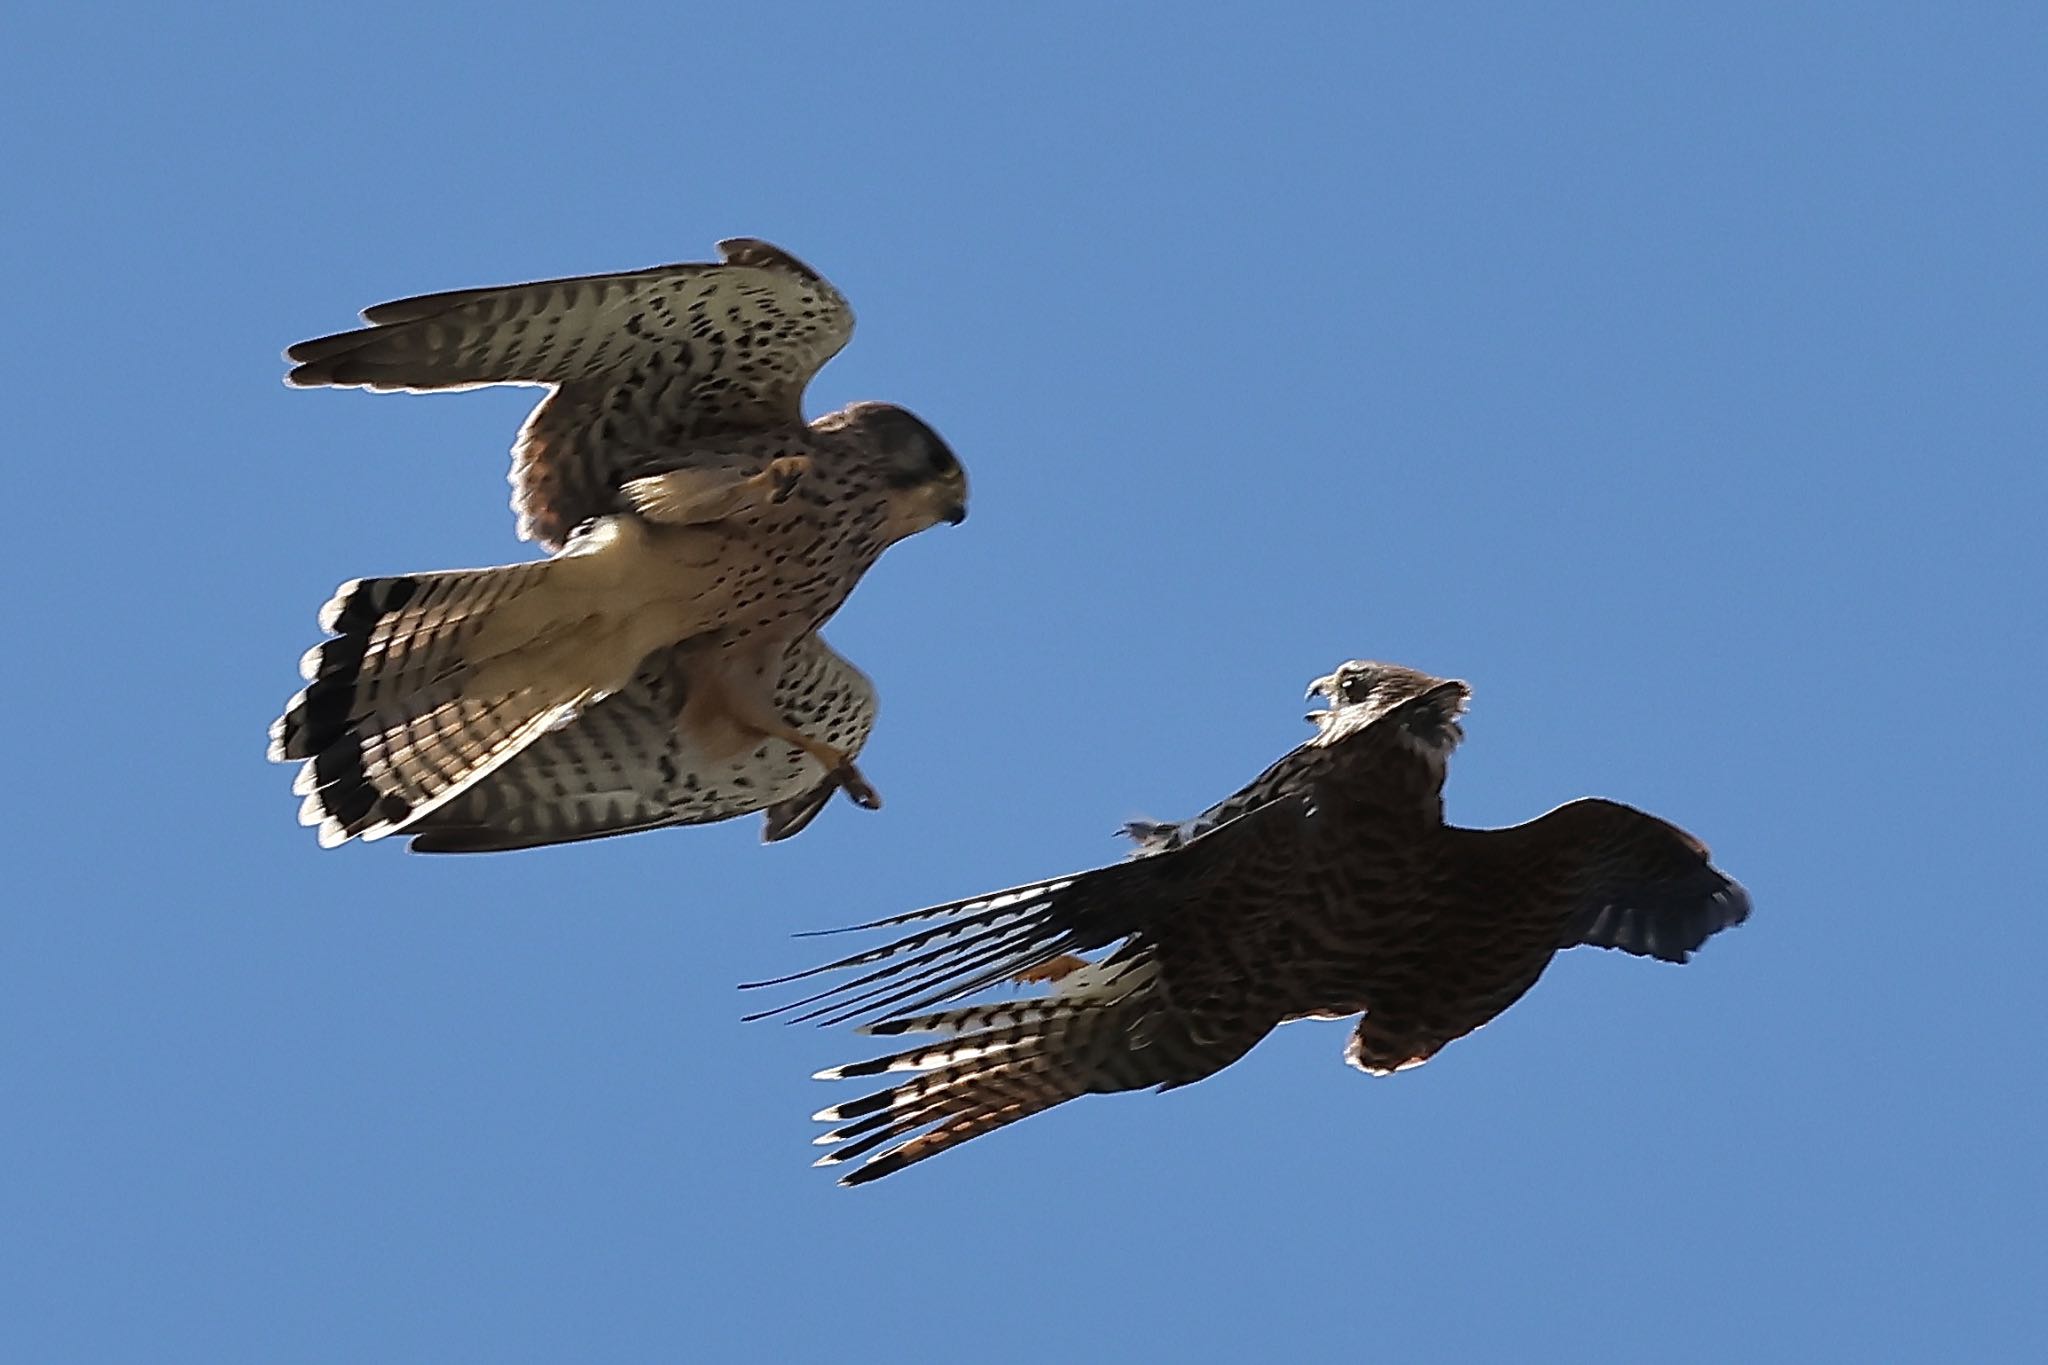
{"x":662,"y":667}
{"x":1329,"y":887}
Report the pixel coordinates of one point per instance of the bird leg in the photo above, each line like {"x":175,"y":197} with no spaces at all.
{"x":695,"y":497}
{"x":838,"y":764}
{"x":720,"y":703}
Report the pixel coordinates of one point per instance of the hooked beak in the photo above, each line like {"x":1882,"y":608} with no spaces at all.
{"x":1326,"y":688}
{"x":956,"y":514}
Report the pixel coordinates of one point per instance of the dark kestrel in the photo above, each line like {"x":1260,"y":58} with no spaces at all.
{"x":1327,"y":888}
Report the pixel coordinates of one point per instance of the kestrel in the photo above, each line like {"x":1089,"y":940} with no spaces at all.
{"x":662,"y":667}
{"x":1329,"y":887}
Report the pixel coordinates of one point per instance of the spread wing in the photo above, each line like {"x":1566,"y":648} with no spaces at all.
{"x":1297,"y":771}
{"x":640,"y":365}
{"x":622,"y":766}
{"x":1612,"y":876}
{"x":1291,"y":775}
{"x":1170,"y":1004}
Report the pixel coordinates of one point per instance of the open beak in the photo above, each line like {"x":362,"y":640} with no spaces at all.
{"x":1325,"y":688}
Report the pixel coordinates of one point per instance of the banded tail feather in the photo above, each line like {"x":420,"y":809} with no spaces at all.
{"x":977,"y":1095}
{"x":1107,"y":1024}
{"x":625,"y":764}
{"x":1116,"y":1031}
{"x":414,"y":699}
{"x":1104,"y":1026}
{"x":977,"y":942}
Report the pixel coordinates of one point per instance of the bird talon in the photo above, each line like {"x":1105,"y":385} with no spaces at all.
{"x":857,"y":788}
{"x":783,"y":475}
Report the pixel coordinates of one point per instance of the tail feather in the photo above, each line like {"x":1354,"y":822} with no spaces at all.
{"x":930,"y":982}
{"x":1014,"y":930}
{"x":953,"y":1104}
{"x":408,"y":706}
{"x":1093,"y":985}
{"x":1106,"y":1028}
{"x":1108,"y":1024}
{"x":957,"y":1049}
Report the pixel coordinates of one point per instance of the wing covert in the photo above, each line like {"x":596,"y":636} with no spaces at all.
{"x":641,"y":364}
{"x":1289,"y":775}
{"x":1614,"y":876}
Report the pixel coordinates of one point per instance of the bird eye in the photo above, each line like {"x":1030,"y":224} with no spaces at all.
{"x":1357,"y":687}
{"x":942,"y":459}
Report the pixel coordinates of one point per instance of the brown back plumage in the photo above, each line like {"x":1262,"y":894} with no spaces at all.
{"x":1329,"y":887}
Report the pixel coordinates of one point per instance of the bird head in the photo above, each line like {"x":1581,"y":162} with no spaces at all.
{"x":1362,"y":693}
{"x":925,"y":482}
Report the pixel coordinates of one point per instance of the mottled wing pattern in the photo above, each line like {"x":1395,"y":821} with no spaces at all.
{"x":622,"y":765}
{"x":1290,"y":776}
{"x":395,"y":719}
{"x":1613,"y":876}
{"x":1170,"y":1004}
{"x":641,"y":364}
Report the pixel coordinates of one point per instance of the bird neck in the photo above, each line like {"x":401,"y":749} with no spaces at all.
{"x":1380,"y":779}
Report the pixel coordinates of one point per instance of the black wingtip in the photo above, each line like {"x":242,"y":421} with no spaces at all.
{"x":317,"y":376}
{"x":866,"y":1104}
{"x":852,"y":1071}
{"x":886,"y":1164}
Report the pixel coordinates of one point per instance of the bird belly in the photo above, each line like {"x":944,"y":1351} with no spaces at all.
{"x":1415,"y":1005}
{"x":629,"y":588}
{"x":722,"y":688}
{"x":740,"y":583}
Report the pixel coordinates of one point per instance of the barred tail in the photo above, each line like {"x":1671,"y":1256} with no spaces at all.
{"x":968,"y":1086}
{"x":414,"y":699}
{"x":1106,"y":1029}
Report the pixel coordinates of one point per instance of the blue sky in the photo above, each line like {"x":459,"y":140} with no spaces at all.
{"x":1672,"y":374}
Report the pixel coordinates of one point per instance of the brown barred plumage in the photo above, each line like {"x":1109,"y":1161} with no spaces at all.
{"x":1328,"y":887}
{"x":663,"y":667}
